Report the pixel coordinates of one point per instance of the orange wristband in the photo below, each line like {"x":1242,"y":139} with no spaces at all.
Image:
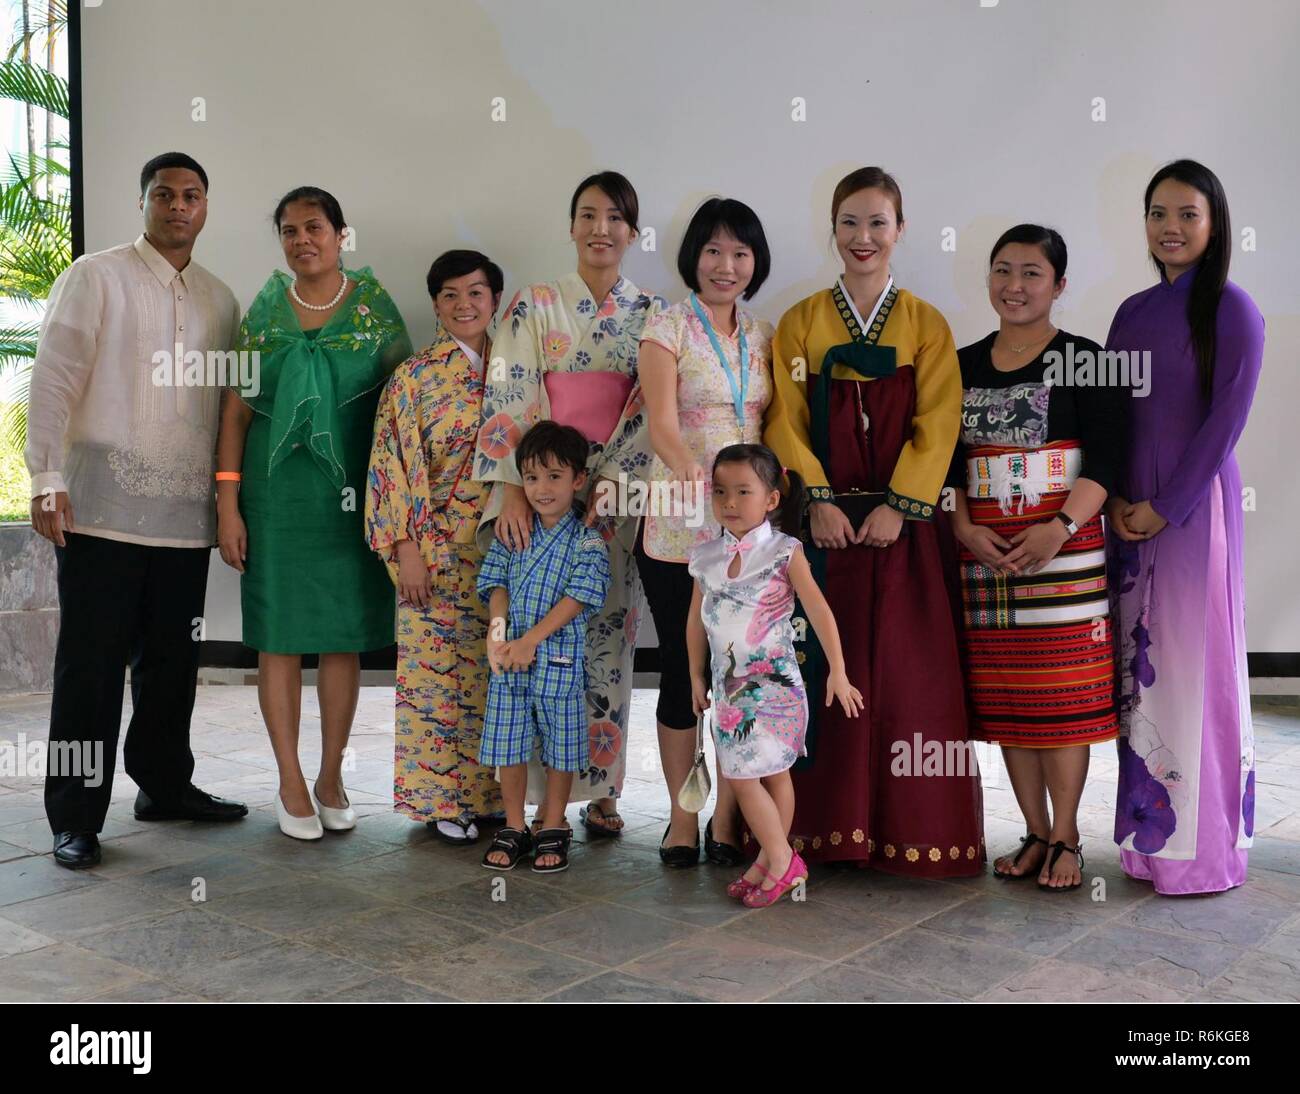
{"x":229,"y":476}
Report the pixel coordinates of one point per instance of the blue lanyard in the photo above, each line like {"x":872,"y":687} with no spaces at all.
{"x":739,"y":393}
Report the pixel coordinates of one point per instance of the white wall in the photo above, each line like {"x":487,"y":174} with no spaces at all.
{"x":983,"y":114}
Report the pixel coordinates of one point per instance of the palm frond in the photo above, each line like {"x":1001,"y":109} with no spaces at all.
{"x":26,"y":83}
{"x":17,"y":343}
{"x":24,"y":210}
{"x":51,"y":25}
{"x":13,"y":419}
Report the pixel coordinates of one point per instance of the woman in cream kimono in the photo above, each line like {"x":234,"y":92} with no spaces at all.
{"x":567,"y":351}
{"x":422,"y":513}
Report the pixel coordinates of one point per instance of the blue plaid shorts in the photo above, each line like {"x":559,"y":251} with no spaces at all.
{"x":549,"y":702}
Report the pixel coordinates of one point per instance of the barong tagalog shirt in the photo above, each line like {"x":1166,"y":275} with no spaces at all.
{"x":113,"y":416}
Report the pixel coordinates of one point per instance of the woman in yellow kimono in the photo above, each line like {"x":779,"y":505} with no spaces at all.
{"x":422,"y":512}
{"x":866,"y":408}
{"x":567,"y":351}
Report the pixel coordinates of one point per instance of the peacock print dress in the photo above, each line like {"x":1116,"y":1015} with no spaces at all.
{"x":760,"y":709}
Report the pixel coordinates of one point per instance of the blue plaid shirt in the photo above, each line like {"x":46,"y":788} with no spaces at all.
{"x":567,"y":560}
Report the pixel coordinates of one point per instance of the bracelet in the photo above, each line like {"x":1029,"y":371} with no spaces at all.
{"x":229,"y":476}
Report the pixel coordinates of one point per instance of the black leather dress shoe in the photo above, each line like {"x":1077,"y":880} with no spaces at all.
{"x":678,"y":857}
{"x":191,"y":804}
{"x":76,"y":850}
{"x":719,"y":853}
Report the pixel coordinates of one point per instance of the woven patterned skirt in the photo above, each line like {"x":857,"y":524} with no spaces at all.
{"x":1039,"y":657}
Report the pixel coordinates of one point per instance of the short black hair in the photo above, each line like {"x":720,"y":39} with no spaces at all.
{"x":549,"y":442}
{"x":739,"y":221}
{"x":1048,"y":240}
{"x":614,"y":186}
{"x":170,"y":159}
{"x":326,"y":202}
{"x":453,"y":264}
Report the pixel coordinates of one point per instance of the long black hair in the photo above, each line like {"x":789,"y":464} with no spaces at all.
{"x":1212,"y":270}
{"x":775,"y":477}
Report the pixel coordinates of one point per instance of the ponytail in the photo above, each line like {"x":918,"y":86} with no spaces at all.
{"x":789,"y":514}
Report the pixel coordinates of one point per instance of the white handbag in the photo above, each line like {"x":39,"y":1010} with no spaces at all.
{"x":694,"y":794}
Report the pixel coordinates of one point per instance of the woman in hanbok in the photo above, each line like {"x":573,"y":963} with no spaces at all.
{"x":299,"y":434}
{"x":866,"y":408}
{"x":566,"y":350}
{"x":422,"y":514}
{"x":1185,"y":810}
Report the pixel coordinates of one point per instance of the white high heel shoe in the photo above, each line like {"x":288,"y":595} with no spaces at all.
{"x":336,"y":820}
{"x":297,"y":827}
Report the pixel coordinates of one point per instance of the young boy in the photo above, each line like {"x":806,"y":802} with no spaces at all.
{"x":539,"y":600}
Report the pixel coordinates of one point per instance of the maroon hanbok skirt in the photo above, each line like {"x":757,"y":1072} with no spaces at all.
{"x":897,"y":787}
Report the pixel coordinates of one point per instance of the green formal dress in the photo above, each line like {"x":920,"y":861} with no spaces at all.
{"x":311,"y":584}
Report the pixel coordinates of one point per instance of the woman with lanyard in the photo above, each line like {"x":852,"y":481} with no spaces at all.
{"x":867,"y":411}
{"x":706,"y":372}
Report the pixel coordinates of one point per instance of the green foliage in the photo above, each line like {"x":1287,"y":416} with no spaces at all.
{"x":15,"y":485}
{"x":35,"y":230}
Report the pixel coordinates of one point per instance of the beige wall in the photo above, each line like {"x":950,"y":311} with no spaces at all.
{"x":983,"y":114}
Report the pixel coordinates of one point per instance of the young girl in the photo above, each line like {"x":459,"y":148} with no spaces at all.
{"x":746,"y":582}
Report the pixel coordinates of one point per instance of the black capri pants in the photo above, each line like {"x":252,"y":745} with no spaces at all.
{"x":668,"y":590}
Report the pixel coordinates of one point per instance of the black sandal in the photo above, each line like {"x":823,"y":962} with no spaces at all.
{"x":1058,"y":848}
{"x":513,"y":842}
{"x":598,"y":830}
{"x":552,"y":841}
{"x":1025,"y":844}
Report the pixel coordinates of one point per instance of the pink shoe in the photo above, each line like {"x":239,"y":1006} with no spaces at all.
{"x":740,"y":887}
{"x":757,"y":897}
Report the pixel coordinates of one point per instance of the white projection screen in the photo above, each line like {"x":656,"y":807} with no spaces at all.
{"x":466,"y":124}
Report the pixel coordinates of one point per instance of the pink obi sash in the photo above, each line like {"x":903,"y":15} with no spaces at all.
{"x":591,"y":402}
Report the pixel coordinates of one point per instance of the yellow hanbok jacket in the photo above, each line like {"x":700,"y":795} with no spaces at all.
{"x":921,"y":339}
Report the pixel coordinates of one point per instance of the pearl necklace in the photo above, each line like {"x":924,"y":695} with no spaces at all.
{"x":293,"y":291}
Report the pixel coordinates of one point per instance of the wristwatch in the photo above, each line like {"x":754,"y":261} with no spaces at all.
{"x":1064,"y":519}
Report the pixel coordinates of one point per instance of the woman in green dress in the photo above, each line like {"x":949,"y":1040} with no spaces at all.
{"x":292,"y":457}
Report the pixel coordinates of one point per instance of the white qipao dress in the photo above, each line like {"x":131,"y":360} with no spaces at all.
{"x":760,"y":709}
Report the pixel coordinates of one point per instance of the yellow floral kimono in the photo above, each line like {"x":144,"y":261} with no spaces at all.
{"x":420,"y":487}
{"x":551,"y":334}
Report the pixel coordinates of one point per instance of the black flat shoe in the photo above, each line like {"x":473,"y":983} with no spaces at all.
{"x":679,"y":856}
{"x":76,"y":850}
{"x":191,"y":804}
{"x":719,"y":853}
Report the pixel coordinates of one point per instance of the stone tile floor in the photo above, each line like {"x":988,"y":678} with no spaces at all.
{"x":386,"y":913}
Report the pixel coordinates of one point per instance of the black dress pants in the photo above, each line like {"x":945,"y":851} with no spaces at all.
{"x":122,"y":604}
